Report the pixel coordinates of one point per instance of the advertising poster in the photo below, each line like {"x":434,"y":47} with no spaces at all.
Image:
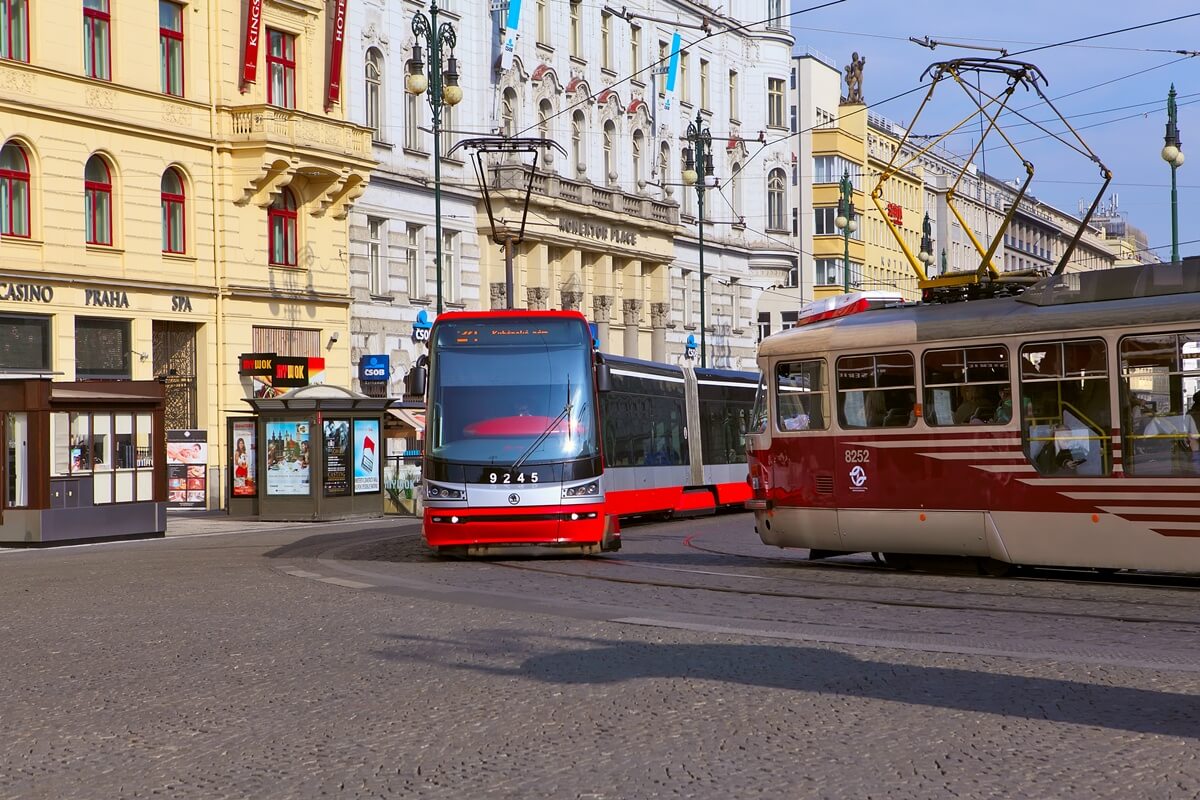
{"x":245,"y":482}
{"x":287,"y":458}
{"x":366,"y":456}
{"x":187,"y":469}
{"x":337,"y":457}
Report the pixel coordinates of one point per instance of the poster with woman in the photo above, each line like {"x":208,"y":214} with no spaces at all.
{"x":366,"y":456}
{"x":245,"y":483}
{"x":287,"y":458}
{"x":337,"y":457}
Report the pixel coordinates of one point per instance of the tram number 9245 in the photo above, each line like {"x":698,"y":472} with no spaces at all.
{"x":504,"y":476}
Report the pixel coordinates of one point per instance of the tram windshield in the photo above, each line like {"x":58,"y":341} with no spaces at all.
{"x":509,"y":390}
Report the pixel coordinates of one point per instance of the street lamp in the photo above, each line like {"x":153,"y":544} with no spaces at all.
{"x":847,"y":222}
{"x":443,"y":90}
{"x":1172,"y":153}
{"x":697,"y":169}
{"x":926,"y":256}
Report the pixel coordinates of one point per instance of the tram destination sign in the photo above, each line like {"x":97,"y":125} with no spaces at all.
{"x":593,"y":230}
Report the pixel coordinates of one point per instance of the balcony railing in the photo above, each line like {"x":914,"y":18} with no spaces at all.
{"x":515,"y":177}
{"x":295,"y":129}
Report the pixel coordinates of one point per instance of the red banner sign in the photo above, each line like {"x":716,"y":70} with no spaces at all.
{"x":895,"y":213}
{"x":335,"y":55}
{"x":253,"y":33}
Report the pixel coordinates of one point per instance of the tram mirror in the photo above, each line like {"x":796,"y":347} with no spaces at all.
{"x":603,"y":378}
{"x":414,"y":382}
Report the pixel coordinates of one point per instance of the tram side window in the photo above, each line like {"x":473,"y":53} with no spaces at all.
{"x":877,"y":391}
{"x":1160,"y":404}
{"x":800,"y":396}
{"x":1066,"y":421}
{"x":644,"y":421}
{"x":725,"y":415}
{"x":967,"y":386}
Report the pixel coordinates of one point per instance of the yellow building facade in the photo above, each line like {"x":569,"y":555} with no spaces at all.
{"x":175,"y":186}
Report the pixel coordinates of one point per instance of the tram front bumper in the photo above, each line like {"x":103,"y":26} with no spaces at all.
{"x":531,"y":525}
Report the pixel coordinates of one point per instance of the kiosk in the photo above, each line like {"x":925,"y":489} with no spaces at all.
{"x":312,"y":454}
{"x":82,"y":461}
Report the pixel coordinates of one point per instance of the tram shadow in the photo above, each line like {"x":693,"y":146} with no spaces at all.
{"x":819,"y":671}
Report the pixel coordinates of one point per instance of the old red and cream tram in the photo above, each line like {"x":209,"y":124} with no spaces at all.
{"x":1057,"y":427}
{"x":534,"y":438}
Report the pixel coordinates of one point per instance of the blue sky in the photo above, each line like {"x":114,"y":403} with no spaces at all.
{"x":1129,"y":147}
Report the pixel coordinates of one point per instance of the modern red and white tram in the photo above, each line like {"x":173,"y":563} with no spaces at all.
{"x":1057,"y":427}
{"x":535,"y":439}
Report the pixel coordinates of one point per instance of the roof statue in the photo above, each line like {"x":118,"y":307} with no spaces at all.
{"x":854,"y":71}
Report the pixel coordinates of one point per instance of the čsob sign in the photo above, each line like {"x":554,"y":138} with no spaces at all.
{"x":375,"y":368}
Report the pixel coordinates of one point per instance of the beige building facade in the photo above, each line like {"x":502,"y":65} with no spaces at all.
{"x":175,"y":184}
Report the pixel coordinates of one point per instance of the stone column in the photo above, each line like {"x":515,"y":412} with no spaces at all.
{"x":571,"y":300}
{"x":602,"y":311}
{"x":632,"y":310}
{"x":537,"y":297}
{"x":659,"y":314}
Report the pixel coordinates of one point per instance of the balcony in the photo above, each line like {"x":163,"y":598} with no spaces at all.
{"x":264,"y":125}
{"x":551,"y":187}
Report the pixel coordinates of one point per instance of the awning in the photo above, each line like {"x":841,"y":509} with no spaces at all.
{"x":413,"y":419}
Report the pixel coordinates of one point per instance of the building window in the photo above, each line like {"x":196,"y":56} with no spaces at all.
{"x":25,"y":342}
{"x":97,"y":186}
{"x":775,"y":102}
{"x":446,"y":130}
{"x":764,"y":324}
{"x":576,"y":41}
{"x":452,"y":280}
{"x":774,"y":13}
{"x":831,"y":169}
{"x":14,"y":191}
{"x":373,"y":77}
{"x":281,"y":229}
{"x":605,"y":40}
{"x":635,"y":51}
{"x":376,"y":259}
{"x":610,"y":164}
{"x":639,"y":145}
{"x":705,"y":100}
{"x":664,"y":167}
{"x":735,"y":191}
{"x":173,"y":232}
{"x":14,"y":30}
{"x":543,"y":22}
{"x":281,"y":69}
{"x":689,"y":301}
{"x":776,"y":200}
{"x":733,"y":95}
{"x":413,"y":139}
{"x":96,"y":56}
{"x":508,"y":110}
{"x":793,"y":278}
{"x":102,"y":349}
{"x":577,"y":162}
{"x":823,"y":223}
{"x":416,"y":265}
{"x":170,"y":47}
{"x":829,"y":272}
{"x":682,"y":84}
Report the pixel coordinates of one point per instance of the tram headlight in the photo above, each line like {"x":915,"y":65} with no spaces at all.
{"x":584,"y":490}
{"x":445,"y":493}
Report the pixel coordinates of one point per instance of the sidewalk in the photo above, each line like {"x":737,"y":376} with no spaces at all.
{"x":195,"y":523}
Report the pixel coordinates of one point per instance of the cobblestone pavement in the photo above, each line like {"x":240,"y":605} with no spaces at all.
{"x":317,"y":662}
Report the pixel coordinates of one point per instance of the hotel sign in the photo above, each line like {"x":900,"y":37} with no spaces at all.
{"x":592,"y":230}
{"x":253,"y":34}
{"x":335,"y":57}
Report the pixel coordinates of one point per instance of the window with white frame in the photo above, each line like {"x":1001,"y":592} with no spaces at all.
{"x":451,"y":274}
{"x":775,"y":104}
{"x":831,"y":169}
{"x":414,"y":138}
{"x":705,"y":99}
{"x":543,"y":22}
{"x":635,"y":48}
{"x":733,"y":95}
{"x":764,"y":324}
{"x":373,"y":79}
{"x":415,"y":263}
{"x":788,"y":319}
{"x":576,"y":43}
{"x":689,"y":301}
{"x":777,"y":200}
{"x":824,"y":223}
{"x":377,"y":271}
{"x":610,"y":158}
{"x":639,"y":146}
{"x":606,"y":40}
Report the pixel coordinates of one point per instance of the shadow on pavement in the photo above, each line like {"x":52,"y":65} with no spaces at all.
{"x":822,"y":671}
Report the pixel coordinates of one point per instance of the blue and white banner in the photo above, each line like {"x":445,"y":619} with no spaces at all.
{"x":672,"y":70}
{"x":511,"y":23}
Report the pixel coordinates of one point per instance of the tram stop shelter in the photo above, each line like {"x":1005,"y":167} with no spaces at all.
{"x":83,"y":461}
{"x":309,"y":455}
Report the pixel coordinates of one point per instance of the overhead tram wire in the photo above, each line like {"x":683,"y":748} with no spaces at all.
{"x":653,"y":64}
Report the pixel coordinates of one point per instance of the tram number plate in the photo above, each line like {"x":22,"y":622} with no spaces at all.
{"x":856,"y":456}
{"x":506,"y":477}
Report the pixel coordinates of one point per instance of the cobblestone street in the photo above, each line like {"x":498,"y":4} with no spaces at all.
{"x":197,"y":667}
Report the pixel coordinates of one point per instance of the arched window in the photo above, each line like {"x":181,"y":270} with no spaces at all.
{"x":14,"y":30}
{"x":610,"y":163}
{"x":735,"y":190}
{"x":281,"y":225}
{"x":545,"y":111}
{"x":776,"y":202}
{"x":578,"y":163}
{"x":174,"y":239}
{"x":639,"y":144}
{"x":97,"y":190}
{"x":14,"y":191}
{"x":508,"y":111}
{"x":373,"y":75}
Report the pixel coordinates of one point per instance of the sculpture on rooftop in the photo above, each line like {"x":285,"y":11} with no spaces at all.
{"x":854,"y":77}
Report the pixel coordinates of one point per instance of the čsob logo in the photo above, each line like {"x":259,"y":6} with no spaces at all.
{"x":689,"y":349}
{"x":421,"y":326}
{"x":374,"y":368}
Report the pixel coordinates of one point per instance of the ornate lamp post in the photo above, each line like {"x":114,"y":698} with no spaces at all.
{"x":699,"y":155}
{"x":847,"y":222}
{"x":443,"y":90}
{"x":1172,"y":153}
{"x":926,"y":256}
